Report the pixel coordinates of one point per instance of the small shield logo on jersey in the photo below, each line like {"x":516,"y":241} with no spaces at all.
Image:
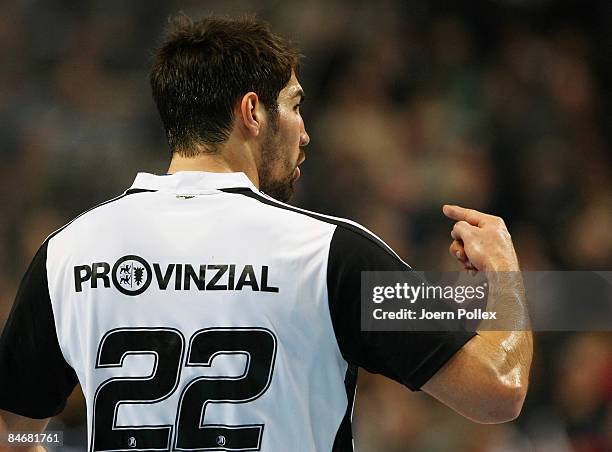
{"x":132,"y":275}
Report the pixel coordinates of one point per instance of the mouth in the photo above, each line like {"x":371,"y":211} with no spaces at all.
{"x":296,"y":171}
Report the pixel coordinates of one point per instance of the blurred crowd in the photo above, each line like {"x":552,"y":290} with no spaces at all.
{"x":503,"y":106}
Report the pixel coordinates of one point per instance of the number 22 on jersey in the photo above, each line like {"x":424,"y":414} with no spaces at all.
{"x":167,"y":346}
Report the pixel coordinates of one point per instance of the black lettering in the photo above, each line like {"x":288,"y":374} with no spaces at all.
{"x":97,"y":274}
{"x":264,"y":281}
{"x":79,"y":277}
{"x":212,"y":284}
{"x":178,"y":277}
{"x":190,"y":274}
{"x":247,"y":278}
{"x":163,"y":281}
{"x":230,"y":278}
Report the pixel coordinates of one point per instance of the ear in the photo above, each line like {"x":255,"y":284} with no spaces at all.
{"x":249,"y":114}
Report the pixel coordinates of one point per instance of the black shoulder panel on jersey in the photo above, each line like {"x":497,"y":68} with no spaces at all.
{"x":336,"y":221}
{"x":410,"y":358}
{"x":35,"y":380}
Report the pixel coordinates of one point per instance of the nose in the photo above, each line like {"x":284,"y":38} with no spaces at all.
{"x":304,"y":139}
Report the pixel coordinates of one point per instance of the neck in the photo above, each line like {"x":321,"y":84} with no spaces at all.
{"x":229,"y":159}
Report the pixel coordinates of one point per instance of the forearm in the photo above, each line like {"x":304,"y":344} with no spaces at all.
{"x":471,"y":383}
{"x":486,"y":381}
{"x":509,"y":334}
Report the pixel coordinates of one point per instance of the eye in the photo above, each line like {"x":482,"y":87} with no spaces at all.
{"x":297,"y":106}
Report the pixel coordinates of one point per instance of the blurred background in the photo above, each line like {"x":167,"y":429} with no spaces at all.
{"x":503,"y":106}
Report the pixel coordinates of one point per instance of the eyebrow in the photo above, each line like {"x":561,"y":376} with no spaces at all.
{"x":299,"y":92}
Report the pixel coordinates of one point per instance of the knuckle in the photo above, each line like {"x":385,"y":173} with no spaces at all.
{"x":464,"y":226}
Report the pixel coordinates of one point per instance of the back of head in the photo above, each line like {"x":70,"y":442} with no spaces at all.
{"x":202,"y":68}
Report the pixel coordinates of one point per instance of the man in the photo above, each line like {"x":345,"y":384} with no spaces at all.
{"x":200,"y":312}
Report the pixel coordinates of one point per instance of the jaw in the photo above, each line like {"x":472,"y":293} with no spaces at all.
{"x":280,"y":188}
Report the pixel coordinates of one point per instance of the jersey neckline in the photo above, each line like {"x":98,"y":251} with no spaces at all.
{"x":191,"y":181}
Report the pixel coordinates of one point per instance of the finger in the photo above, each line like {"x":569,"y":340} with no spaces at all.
{"x":467,"y":264}
{"x":456,"y":250}
{"x":458,"y":213}
{"x":462,"y":230}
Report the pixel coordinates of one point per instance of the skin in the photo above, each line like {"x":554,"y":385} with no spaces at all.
{"x":486,"y":381}
{"x":10,"y":422}
{"x":268,"y":150}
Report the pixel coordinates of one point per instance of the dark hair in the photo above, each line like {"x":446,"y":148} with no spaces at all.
{"x":202,"y":68}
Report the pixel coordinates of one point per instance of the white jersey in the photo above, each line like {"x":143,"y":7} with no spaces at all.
{"x":199,"y":314}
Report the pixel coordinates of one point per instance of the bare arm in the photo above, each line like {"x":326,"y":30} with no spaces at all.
{"x":487,"y":380}
{"x":10,"y":422}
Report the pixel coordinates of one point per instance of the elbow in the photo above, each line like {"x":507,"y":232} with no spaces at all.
{"x":507,"y":390}
{"x":505,"y":405}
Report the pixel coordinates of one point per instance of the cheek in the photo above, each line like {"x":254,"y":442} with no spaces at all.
{"x":290,"y":124}
{"x":290,"y":131}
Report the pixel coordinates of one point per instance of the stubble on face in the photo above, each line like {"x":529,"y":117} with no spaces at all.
{"x":276,"y":173}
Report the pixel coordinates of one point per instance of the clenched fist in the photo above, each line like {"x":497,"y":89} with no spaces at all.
{"x":480,"y":241}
